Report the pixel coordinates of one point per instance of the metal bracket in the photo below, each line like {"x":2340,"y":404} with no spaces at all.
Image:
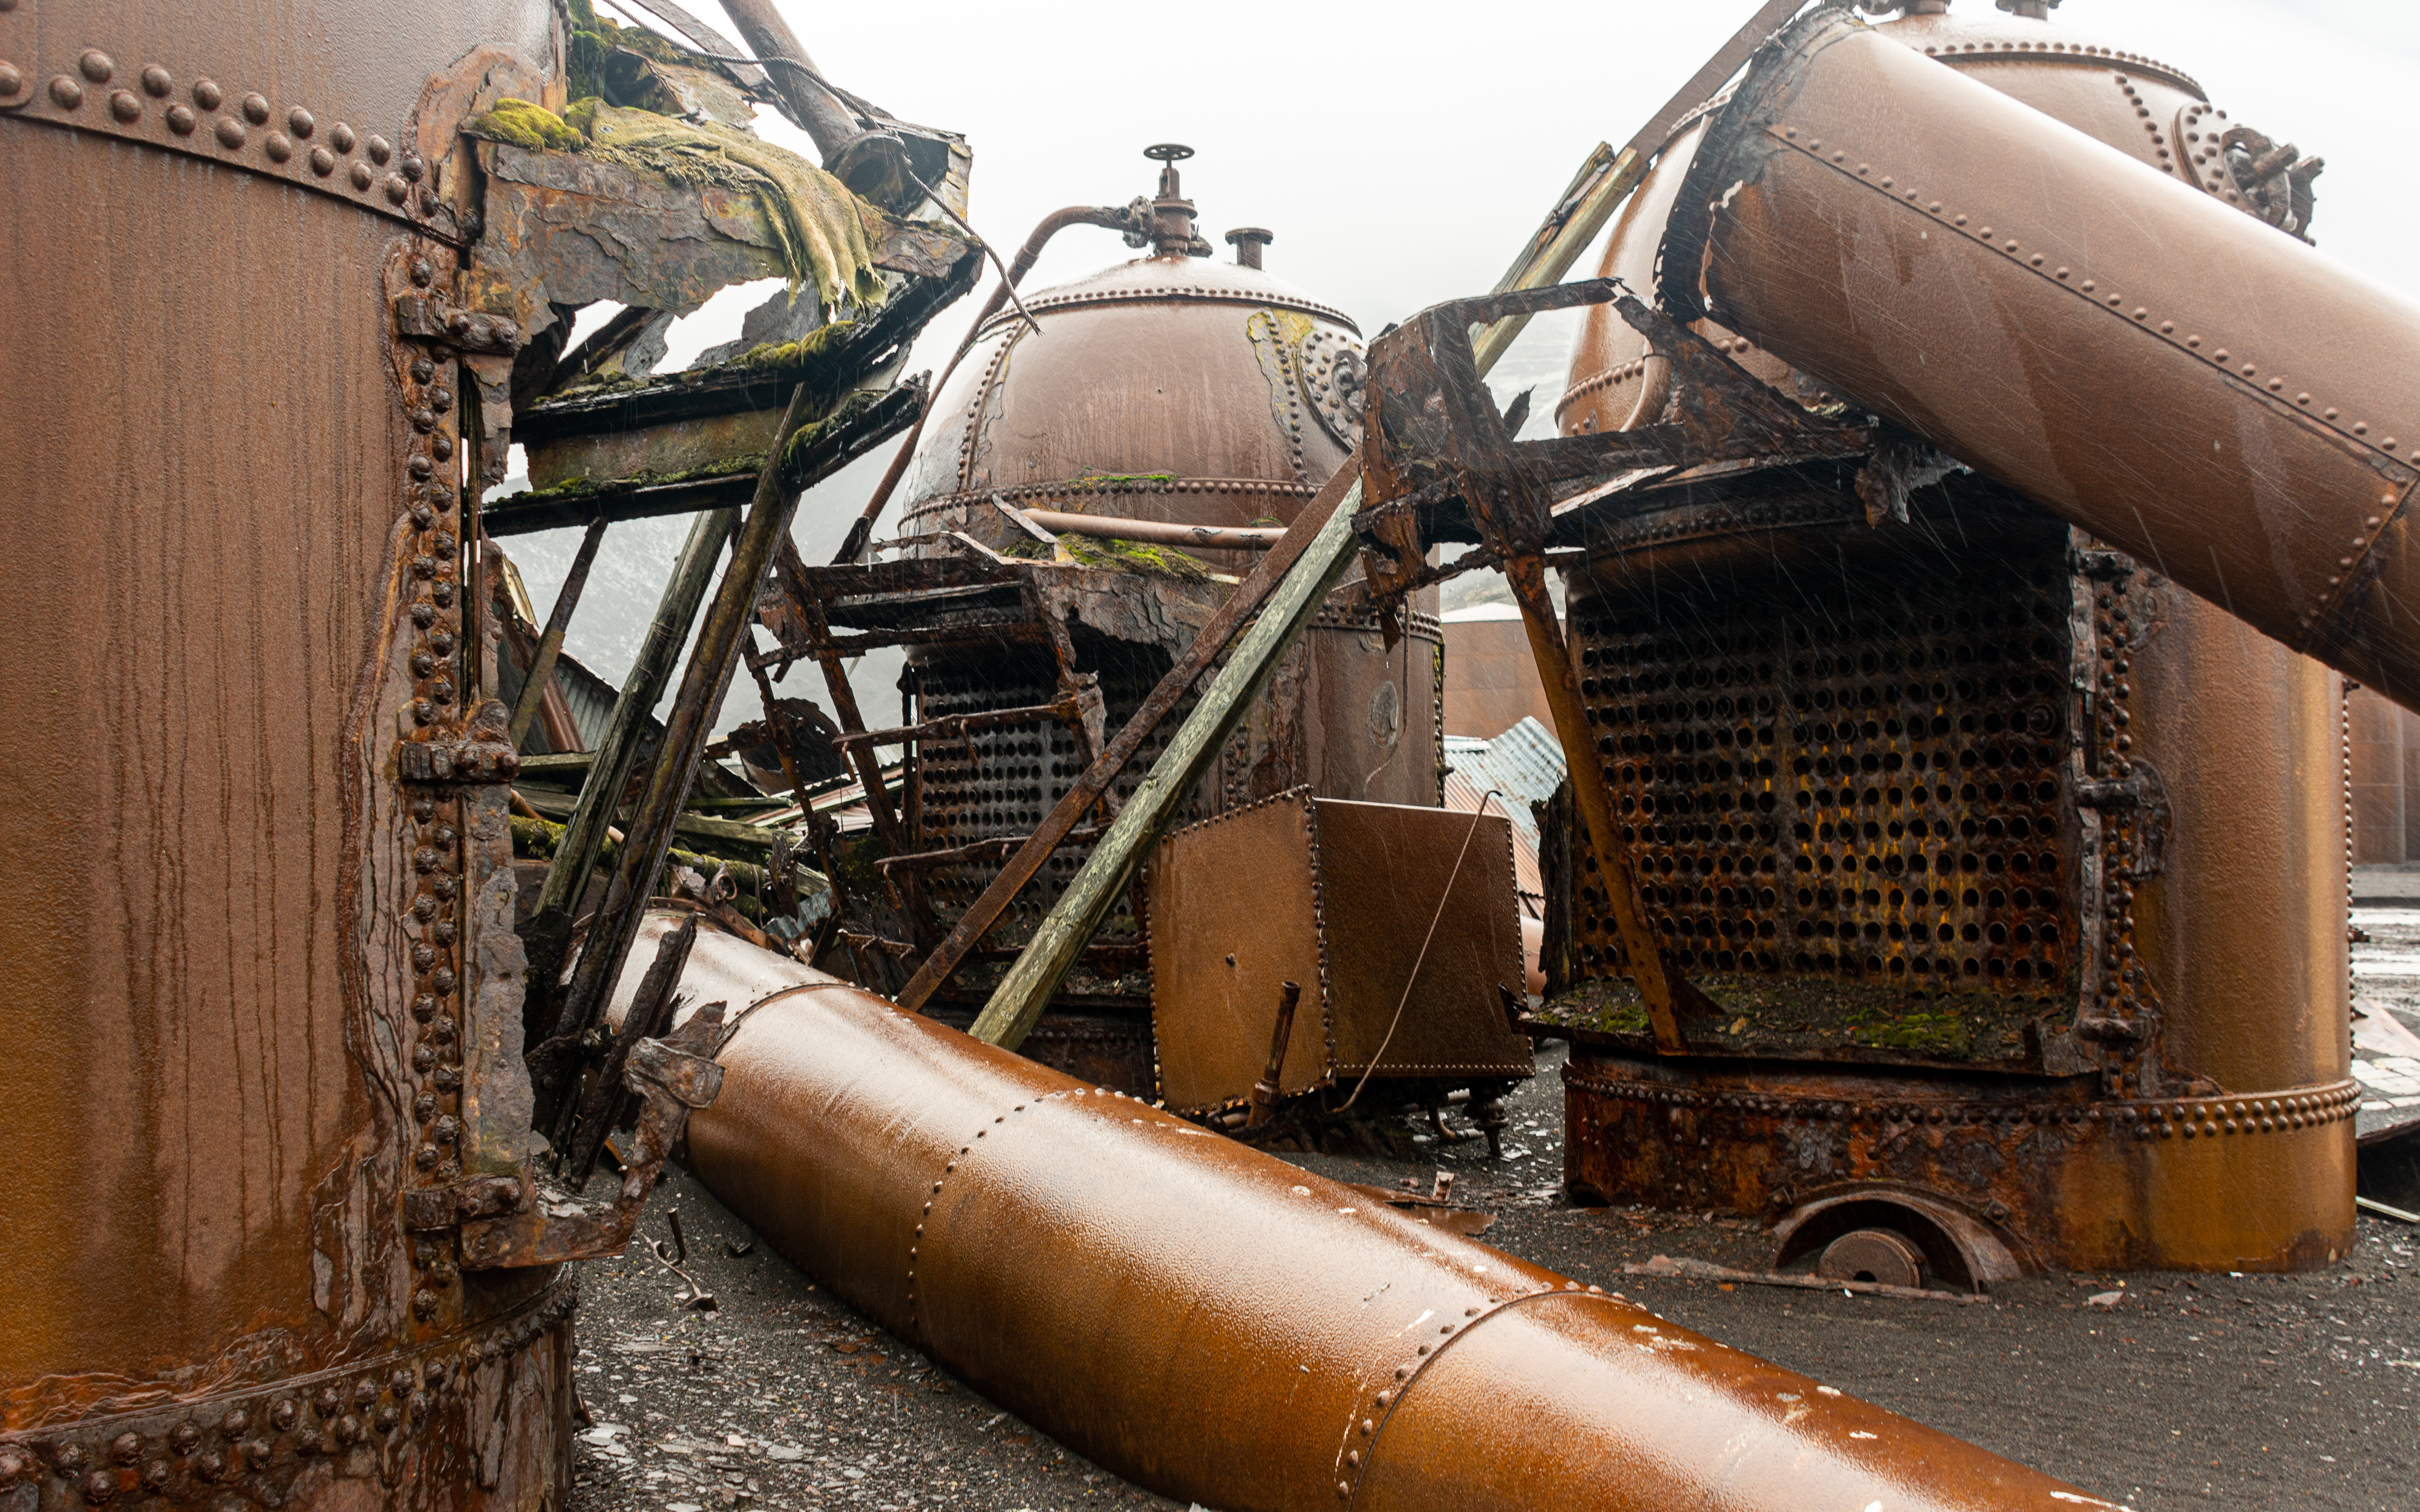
{"x":432,"y":317}
{"x":483,"y":755}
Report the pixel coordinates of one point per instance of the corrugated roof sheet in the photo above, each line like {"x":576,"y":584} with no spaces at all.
{"x":1523,"y":765}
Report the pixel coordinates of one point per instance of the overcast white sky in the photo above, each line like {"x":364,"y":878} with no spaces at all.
{"x":1402,"y":151}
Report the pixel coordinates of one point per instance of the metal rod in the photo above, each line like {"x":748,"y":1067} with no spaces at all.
{"x":1161,"y":531}
{"x":704,"y":681}
{"x":1061,"y":937}
{"x":959,"y":723}
{"x":550,"y":645}
{"x":1196,"y":657}
{"x":549,"y":932}
{"x":1267,"y":1090}
{"x":809,"y":100}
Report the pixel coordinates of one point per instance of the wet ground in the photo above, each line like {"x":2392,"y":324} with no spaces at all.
{"x":2204,"y":1392}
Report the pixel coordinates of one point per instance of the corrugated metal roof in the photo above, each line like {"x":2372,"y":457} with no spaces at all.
{"x":1525,"y":765}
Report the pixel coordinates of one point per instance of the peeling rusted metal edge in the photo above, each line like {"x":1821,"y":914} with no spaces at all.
{"x":736,"y":387}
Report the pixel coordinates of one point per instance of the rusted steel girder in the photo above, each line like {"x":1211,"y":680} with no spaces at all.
{"x":2224,"y":404}
{"x":1217,"y":1326}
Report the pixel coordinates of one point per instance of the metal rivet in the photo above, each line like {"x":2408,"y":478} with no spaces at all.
{"x":255,"y":110}
{"x":207,"y":94}
{"x":411,"y":167}
{"x":10,"y":80}
{"x":66,"y":92}
{"x":279,"y":147}
{"x":229,"y":132}
{"x":378,"y":149}
{"x":182,"y":120}
{"x":323,"y":161}
{"x":361,"y":176}
{"x":96,"y":65}
{"x":299,"y":121}
{"x":156,"y":82}
{"x":123,"y":105}
{"x":396,"y":188}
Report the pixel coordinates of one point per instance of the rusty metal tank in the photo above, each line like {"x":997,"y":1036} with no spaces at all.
{"x":235,"y":1009}
{"x":1169,"y":388}
{"x":2026,"y":904}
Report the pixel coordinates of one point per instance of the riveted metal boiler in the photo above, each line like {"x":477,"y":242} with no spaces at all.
{"x":2011,"y":872}
{"x":1172,"y":387}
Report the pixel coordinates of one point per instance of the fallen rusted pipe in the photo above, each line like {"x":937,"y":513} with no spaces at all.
{"x":2132,"y":353}
{"x":1215,"y":1324}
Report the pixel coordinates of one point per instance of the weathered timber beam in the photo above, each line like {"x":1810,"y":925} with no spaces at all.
{"x":728,"y":831}
{"x":549,"y":932}
{"x":1060,"y":938}
{"x":541,"y":670}
{"x":864,"y":422}
{"x":704,"y":680}
{"x":1159,"y":532}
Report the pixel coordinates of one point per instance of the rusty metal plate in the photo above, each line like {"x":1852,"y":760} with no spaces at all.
{"x":2256,"y":1181}
{"x":1348,"y":900}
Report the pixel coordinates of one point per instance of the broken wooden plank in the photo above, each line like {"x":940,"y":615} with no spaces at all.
{"x":862,"y":423}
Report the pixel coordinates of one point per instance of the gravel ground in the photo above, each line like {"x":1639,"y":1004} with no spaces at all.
{"x":2204,"y":1392}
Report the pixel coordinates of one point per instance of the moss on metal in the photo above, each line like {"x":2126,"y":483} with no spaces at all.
{"x":1819,"y":1017}
{"x":1144,"y":557}
{"x":524,"y":124}
{"x":792,"y":354}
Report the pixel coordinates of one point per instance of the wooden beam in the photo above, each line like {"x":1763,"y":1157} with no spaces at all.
{"x":1060,"y":938}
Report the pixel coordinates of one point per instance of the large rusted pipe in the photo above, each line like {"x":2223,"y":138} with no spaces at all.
{"x":1217,"y":1326}
{"x":2202,"y":390}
